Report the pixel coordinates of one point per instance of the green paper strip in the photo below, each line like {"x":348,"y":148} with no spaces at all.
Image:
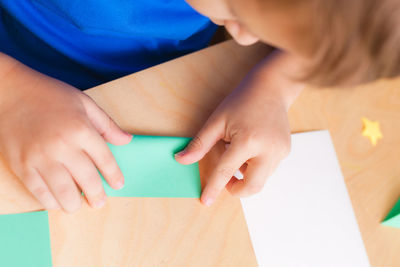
{"x":25,"y":240}
{"x":393,"y":218}
{"x":150,"y":169}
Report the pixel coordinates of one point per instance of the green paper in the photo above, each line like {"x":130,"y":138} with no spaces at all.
{"x":150,"y":169}
{"x":25,"y":240}
{"x":393,"y":218}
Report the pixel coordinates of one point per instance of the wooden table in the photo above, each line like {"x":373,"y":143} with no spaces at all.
{"x":175,"y":98}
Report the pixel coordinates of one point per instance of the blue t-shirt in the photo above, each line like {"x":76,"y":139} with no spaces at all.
{"x":89,"y":42}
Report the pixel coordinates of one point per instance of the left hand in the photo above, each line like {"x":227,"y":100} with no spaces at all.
{"x":253,"y":121}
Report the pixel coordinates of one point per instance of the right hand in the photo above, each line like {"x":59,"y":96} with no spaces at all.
{"x":53,"y":137}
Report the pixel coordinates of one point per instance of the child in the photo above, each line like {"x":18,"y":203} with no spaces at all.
{"x":53,"y":136}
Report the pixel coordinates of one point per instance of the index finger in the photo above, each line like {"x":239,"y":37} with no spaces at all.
{"x":232,"y":159}
{"x":101,"y":155}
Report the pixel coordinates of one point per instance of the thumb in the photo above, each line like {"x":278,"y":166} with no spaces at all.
{"x":205,"y":139}
{"x":103,"y":123}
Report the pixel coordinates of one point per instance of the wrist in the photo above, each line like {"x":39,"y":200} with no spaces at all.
{"x":274,"y":79}
{"x":17,"y":81}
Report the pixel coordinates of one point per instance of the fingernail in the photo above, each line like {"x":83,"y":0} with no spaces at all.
{"x":126,"y":133}
{"x":120,"y":184}
{"x":208,"y":202}
{"x":100,"y":203}
{"x":180,"y":154}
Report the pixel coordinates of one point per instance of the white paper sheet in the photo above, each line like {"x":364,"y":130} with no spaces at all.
{"x":303,"y":216}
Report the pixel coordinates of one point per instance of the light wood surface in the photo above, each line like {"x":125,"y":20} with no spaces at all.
{"x":176,"y":98}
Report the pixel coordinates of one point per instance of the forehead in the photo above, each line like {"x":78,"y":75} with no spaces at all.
{"x":282,"y":23}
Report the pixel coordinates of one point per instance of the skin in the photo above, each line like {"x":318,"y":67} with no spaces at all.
{"x":53,"y":136}
{"x":249,"y":21}
{"x":253,"y":120}
{"x":265,"y":96}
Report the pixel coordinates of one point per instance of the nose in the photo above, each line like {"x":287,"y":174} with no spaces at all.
{"x":241,"y":35}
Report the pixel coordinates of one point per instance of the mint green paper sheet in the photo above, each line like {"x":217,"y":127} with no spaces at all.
{"x":25,"y":240}
{"x":393,"y":218}
{"x":150,"y":169}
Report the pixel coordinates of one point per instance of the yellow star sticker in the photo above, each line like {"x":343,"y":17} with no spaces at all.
{"x":371,"y":130}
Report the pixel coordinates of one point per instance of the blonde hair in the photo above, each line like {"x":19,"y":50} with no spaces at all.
{"x":354,"y":41}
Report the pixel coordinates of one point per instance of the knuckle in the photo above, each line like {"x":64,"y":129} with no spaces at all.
{"x":79,"y":129}
{"x":251,"y":140}
{"x":196,"y":143}
{"x":55,"y":146}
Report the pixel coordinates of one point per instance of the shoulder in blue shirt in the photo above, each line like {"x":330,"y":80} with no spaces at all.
{"x":86,"y":43}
